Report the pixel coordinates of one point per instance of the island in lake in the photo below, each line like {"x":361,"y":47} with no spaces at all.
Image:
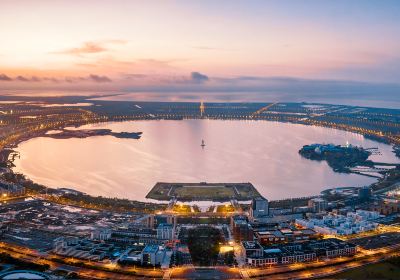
{"x":340,"y":158}
{"x":84,"y":133}
{"x":396,"y":150}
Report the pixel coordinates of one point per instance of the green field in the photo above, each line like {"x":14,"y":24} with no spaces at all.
{"x":203,"y":191}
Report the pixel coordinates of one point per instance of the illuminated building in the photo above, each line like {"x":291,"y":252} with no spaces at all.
{"x":259,"y":208}
{"x":165,"y":231}
{"x":241,"y":229}
{"x":202,"y":109}
{"x":152,"y":255}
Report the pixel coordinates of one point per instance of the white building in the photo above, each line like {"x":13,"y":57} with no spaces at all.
{"x":153,"y":255}
{"x":100,"y":235}
{"x":61,"y":243}
{"x":335,"y":224}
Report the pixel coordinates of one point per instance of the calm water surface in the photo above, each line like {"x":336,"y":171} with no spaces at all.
{"x":263,"y":153}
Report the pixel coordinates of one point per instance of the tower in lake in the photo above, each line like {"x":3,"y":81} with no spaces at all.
{"x":202,"y":109}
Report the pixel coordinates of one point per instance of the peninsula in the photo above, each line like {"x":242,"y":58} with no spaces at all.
{"x":340,"y":158}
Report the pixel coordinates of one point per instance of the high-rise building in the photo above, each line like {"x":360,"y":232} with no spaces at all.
{"x":165,"y":231}
{"x":364,"y":194}
{"x":153,"y":221}
{"x":202,"y":108}
{"x":241,"y":229}
{"x":259,"y":208}
{"x":318,"y":204}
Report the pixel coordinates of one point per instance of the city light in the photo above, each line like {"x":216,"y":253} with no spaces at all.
{"x":199,"y":139}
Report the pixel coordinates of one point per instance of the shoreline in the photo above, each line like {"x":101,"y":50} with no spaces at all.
{"x":346,"y":159}
{"x":11,"y":150}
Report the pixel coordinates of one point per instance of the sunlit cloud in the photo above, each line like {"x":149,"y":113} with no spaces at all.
{"x":86,"y":48}
{"x":90,"y":48}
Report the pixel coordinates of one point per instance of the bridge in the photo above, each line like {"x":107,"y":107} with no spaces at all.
{"x":263,"y":109}
{"x":369,"y":169}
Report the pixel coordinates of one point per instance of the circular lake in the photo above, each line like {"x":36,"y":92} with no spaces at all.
{"x":261,"y":152}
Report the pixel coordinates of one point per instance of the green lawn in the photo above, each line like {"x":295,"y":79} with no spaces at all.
{"x":201,"y":191}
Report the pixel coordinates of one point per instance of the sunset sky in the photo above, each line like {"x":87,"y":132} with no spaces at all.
{"x":170,"y":45}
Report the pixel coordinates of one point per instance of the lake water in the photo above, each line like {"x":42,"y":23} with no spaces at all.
{"x":263,"y":153}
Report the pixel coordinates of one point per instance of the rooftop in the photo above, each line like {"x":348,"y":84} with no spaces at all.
{"x":248,"y":245}
{"x":151,"y":248}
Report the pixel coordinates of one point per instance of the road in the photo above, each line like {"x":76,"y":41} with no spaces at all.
{"x":325,"y":268}
{"x":263,"y":109}
{"x":29,"y":255}
{"x":293,"y":271}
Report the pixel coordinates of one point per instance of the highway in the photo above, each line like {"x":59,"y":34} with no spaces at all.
{"x":263,"y":109}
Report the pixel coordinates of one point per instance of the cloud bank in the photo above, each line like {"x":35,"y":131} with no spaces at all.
{"x":4,"y":77}
{"x":76,"y":79}
{"x":198,"y":77}
{"x":196,"y":86}
{"x":99,"y":79}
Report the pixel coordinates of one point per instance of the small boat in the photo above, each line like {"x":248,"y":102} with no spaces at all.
{"x":202,"y":144}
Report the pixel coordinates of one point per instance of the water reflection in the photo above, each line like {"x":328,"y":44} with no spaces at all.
{"x":264,"y":153}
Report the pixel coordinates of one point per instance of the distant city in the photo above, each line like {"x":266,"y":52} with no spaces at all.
{"x":228,"y":228}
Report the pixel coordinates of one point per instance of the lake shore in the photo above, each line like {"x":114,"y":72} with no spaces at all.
{"x":119,"y":165}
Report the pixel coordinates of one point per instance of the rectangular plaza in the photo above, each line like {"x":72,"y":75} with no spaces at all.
{"x":203,"y":191}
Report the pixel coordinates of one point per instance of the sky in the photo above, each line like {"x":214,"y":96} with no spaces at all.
{"x":186,"y":45}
